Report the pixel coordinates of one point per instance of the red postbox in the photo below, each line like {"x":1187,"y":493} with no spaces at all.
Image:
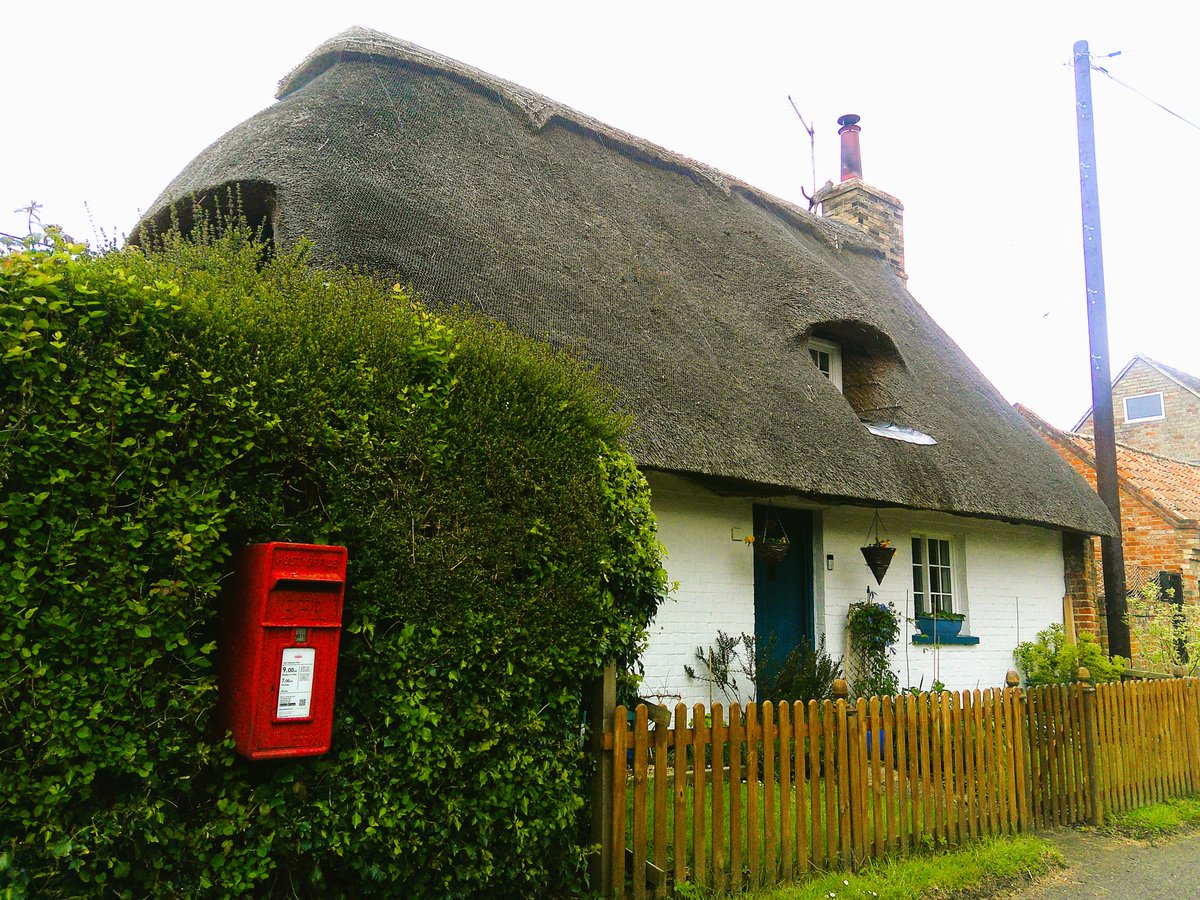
{"x":281,"y":622}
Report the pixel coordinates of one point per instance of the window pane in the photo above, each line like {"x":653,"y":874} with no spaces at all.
{"x":918,"y":570}
{"x":1147,"y":406}
{"x":821,"y":359}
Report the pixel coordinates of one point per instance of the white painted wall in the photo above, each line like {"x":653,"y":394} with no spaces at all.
{"x":1009,"y":583}
{"x":716,"y":583}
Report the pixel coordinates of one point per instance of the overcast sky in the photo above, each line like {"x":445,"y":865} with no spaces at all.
{"x":968,"y":118}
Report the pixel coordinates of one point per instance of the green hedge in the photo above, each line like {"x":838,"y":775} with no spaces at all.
{"x":162,"y":408}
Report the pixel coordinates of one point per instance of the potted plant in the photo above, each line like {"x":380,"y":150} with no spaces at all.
{"x":772,"y":545}
{"x":772,"y":550}
{"x":940,"y":624}
{"x":878,"y":552}
{"x":878,"y":555}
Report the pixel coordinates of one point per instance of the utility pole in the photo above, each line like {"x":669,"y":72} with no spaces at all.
{"x":1112,"y":555}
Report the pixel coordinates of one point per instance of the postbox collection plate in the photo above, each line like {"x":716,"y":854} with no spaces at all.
{"x":295,"y":683}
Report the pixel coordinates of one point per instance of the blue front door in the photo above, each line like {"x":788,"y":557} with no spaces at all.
{"x":783,"y":591}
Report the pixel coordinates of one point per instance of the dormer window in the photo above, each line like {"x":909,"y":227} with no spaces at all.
{"x":827,"y":356}
{"x":863,"y":363}
{"x":1144,"y":408}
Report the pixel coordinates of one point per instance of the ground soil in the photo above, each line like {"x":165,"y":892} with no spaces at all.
{"x":1101,"y":864}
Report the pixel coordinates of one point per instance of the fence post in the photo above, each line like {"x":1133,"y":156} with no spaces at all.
{"x":847,"y":784}
{"x":602,"y":700}
{"x":1089,"y":742}
{"x":1191,"y":711}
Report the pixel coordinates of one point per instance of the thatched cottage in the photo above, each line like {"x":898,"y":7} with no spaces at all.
{"x":781,"y":376}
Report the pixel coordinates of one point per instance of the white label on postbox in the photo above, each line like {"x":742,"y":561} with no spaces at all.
{"x":295,"y":683}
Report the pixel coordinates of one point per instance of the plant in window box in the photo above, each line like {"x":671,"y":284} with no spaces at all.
{"x":939,"y":624}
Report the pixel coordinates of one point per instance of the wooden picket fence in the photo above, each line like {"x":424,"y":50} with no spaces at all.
{"x":742,"y":798}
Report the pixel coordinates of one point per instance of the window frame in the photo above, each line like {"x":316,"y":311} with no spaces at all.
{"x":952,"y":566}
{"x":821,"y":345}
{"x":1162,"y":407}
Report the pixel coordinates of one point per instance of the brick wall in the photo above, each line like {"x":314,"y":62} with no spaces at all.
{"x":1177,"y":435}
{"x":1150,"y":541}
{"x":870,"y":210}
{"x":716,"y":583}
{"x":1080,"y":564}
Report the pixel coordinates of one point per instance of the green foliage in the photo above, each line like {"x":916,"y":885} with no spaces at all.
{"x":872,"y":630}
{"x":804,"y":674}
{"x":721,"y":663}
{"x":1052,"y":659}
{"x":161,"y":408}
{"x":1166,"y":633}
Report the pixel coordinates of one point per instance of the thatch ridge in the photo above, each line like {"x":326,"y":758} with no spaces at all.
{"x":539,"y":111}
{"x":696,"y":302}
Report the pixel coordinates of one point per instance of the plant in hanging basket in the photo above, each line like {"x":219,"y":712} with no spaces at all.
{"x":878,"y":555}
{"x":772,"y":551}
{"x":772,"y":545}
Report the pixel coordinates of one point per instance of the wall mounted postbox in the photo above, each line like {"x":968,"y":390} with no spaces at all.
{"x":281,"y":622}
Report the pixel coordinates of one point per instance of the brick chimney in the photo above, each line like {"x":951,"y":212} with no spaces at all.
{"x":856,"y":203}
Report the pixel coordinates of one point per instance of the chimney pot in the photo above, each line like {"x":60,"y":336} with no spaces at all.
{"x":851,"y":152}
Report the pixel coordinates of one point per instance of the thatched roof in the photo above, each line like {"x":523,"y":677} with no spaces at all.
{"x":693,"y":291}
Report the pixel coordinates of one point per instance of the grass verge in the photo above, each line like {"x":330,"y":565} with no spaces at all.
{"x":1159,"y":819}
{"x":975,"y":869}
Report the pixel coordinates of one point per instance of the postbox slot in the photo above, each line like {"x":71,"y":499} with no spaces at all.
{"x":291,"y":583}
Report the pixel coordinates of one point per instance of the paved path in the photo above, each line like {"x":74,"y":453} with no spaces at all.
{"x":1104,"y":865}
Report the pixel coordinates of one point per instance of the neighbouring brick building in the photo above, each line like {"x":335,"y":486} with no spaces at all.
{"x":1160,"y":516}
{"x":1155,"y":408}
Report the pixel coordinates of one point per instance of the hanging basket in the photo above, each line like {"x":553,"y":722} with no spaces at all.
{"x":878,"y":559}
{"x":772,"y":545}
{"x":772,"y":551}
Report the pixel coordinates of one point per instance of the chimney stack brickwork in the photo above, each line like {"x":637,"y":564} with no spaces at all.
{"x":859,"y":205}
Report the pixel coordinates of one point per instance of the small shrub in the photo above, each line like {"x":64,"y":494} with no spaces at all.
{"x":806,"y":674}
{"x":1052,"y":659}
{"x":721,"y":664}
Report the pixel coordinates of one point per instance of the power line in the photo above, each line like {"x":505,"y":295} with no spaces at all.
{"x":1148,"y":99}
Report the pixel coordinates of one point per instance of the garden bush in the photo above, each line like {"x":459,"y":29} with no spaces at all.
{"x":161,"y":408}
{"x":1052,"y":659}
